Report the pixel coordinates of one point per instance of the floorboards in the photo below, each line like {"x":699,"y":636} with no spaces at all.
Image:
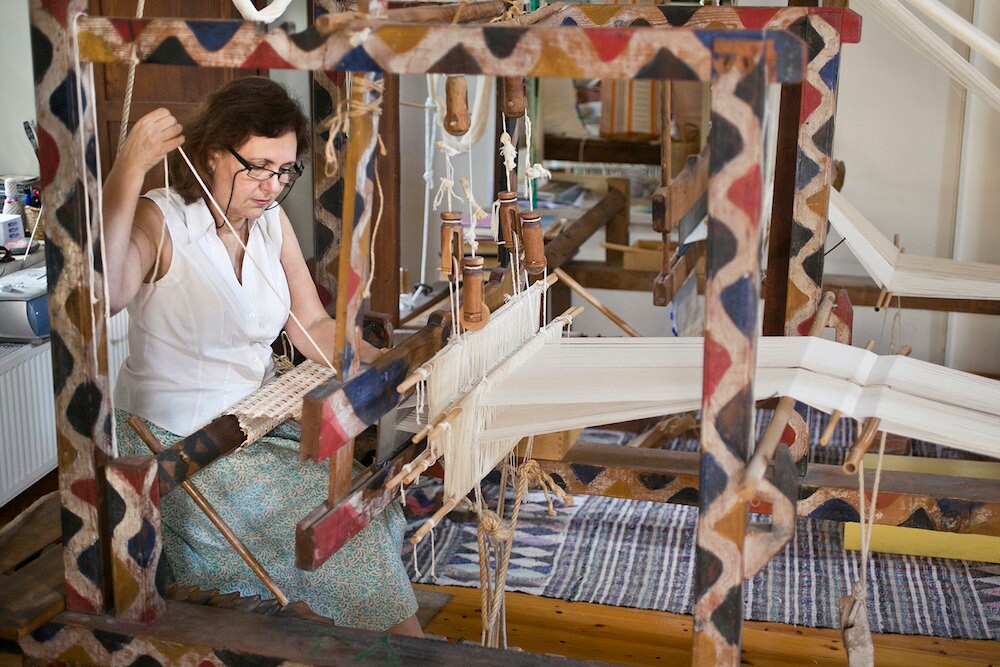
{"x":642,"y":637}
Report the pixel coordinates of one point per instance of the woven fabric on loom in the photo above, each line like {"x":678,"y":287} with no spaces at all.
{"x":640,"y":554}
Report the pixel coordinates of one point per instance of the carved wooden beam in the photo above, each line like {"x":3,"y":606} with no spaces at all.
{"x":327,"y":528}
{"x":494,"y":50}
{"x":334,"y":413}
{"x":916,"y":500}
{"x":564,"y":247}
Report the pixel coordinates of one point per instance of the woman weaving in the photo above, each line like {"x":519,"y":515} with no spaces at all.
{"x":202,"y":319}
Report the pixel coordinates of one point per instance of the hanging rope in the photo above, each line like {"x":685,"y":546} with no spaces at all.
{"x":130,"y":83}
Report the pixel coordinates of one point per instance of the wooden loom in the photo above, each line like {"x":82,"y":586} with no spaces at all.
{"x":735,"y":63}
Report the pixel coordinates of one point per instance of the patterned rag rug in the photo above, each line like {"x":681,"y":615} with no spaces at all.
{"x":640,"y":554}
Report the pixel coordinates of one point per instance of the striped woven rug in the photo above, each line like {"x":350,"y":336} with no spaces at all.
{"x":640,"y":554}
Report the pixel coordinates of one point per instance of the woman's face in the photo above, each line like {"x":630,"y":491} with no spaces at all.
{"x":250,"y":197}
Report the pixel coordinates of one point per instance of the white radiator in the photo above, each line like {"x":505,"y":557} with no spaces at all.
{"x":27,"y":412}
{"x":27,"y":417}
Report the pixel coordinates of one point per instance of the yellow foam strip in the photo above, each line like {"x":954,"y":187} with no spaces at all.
{"x":919,"y":542}
{"x":949,"y":467}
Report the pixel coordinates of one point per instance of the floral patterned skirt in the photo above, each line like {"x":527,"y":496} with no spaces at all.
{"x":262,"y":492}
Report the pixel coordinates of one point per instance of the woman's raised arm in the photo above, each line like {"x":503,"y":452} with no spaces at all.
{"x":132,"y":230}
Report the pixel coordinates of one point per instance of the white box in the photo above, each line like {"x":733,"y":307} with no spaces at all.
{"x":11,"y":227}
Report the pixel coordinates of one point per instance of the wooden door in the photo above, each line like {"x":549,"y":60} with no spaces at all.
{"x":175,"y":87}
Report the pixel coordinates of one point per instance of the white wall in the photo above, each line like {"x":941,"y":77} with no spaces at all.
{"x":17,"y":101}
{"x":974,"y":340}
{"x":899,"y":132}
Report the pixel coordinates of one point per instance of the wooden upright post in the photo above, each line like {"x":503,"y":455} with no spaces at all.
{"x":76,"y":303}
{"x":814,"y":171}
{"x":735,"y":200}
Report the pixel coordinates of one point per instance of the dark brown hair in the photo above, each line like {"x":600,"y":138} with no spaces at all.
{"x":243,"y":108}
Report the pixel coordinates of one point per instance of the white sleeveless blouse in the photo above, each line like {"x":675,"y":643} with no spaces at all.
{"x":199,"y":341}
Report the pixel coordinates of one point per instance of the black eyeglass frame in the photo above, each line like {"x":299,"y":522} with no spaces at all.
{"x":294,"y":172}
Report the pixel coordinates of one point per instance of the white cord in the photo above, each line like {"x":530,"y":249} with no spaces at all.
{"x":266,"y":15}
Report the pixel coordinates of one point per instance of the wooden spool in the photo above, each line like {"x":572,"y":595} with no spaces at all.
{"x":510,"y":218}
{"x":456,"y":118}
{"x":534,"y":245}
{"x":514,"y":101}
{"x":475,"y":314}
{"x":451,"y":245}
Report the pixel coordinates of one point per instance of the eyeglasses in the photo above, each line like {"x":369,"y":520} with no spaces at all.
{"x":285,"y":176}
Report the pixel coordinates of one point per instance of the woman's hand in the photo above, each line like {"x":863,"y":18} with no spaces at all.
{"x":152,"y":137}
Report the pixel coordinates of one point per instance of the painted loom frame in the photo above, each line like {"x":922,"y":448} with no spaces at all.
{"x":102,"y":579}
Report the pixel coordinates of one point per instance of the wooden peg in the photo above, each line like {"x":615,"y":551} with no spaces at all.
{"x":451,"y":244}
{"x":407,"y":469}
{"x":413,"y":378}
{"x":456,"y":118}
{"x":570,"y":314}
{"x":475,"y":313}
{"x":514,"y":101}
{"x":428,"y":525}
{"x":867,"y":435}
{"x":534,"y":245}
{"x":592,"y":300}
{"x":835,"y":416}
{"x":509,"y":217}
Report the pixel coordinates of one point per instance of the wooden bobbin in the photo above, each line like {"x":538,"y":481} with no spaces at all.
{"x":510,"y":218}
{"x":514,"y":101}
{"x":835,"y":416}
{"x":866,"y":437}
{"x":475,"y":314}
{"x":456,"y":117}
{"x":534,"y":245}
{"x":451,"y":244}
{"x":428,"y":525}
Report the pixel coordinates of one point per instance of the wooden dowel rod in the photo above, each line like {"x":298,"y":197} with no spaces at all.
{"x":155,"y":446}
{"x":398,"y":478}
{"x":570,"y":314}
{"x":592,"y":300}
{"x":472,"y":11}
{"x":867,"y":435}
{"x":623,"y":248}
{"x":772,"y":436}
{"x":428,"y":525}
{"x":419,"y":470}
{"x":413,"y":378}
{"x":861,"y":446}
{"x":437,"y":424}
{"x":835,"y":416}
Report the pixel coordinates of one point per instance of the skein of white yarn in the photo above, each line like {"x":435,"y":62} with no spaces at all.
{"x":266,"y":15}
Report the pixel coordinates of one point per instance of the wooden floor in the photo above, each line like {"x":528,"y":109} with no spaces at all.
{"x":641,"y":637}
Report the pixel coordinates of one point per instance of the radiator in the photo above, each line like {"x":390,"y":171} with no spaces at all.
{"x":27,"y":412}
{"x":27,"y":417}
